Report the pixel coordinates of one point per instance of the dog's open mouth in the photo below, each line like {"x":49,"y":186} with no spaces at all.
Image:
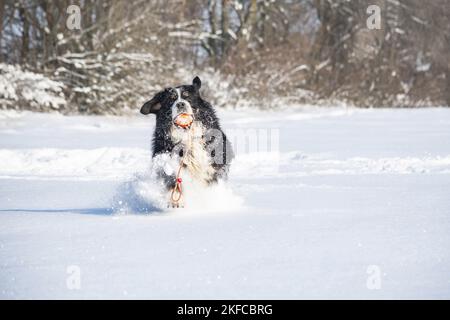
{"x":183,"y":120}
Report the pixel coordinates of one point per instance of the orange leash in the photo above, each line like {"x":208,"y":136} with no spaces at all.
{"x":177,"y":191}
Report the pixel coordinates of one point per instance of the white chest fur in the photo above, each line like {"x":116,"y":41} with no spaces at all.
{"x":196,"y":159}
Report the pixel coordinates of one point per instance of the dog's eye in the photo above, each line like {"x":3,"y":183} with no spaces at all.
{"x":185,"y":94}
{"x":173,"y":95}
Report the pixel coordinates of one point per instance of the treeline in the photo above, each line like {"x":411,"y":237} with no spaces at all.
{"x":261,"y":52}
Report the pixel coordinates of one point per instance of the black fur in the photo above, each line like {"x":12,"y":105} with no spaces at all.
{"x":161,"y":104}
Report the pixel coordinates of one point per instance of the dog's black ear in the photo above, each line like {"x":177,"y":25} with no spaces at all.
{"x":197,"y":83}
{"x":154,"y":105}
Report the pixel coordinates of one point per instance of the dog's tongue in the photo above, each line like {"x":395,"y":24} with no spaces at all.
{"x":183,"y":120}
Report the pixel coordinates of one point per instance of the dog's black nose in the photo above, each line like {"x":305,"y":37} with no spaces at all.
{"x":181,"y":104}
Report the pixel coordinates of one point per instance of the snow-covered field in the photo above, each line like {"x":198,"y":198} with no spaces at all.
{"x":353,"y":204}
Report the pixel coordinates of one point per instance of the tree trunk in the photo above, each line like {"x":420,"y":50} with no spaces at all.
{"x":2,"y":13}
{"x":25,"y":36}
{"x":225,"y":26}
{"x":88,"y":16}
{"x":212,"y":42}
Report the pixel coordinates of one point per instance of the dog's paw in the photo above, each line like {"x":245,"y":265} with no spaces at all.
{"x":175,"y":205}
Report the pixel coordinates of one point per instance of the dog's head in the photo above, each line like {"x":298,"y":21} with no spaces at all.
{"x":174,"y":101}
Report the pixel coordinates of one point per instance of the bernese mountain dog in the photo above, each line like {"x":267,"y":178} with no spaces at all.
{"x":187,"y":140}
